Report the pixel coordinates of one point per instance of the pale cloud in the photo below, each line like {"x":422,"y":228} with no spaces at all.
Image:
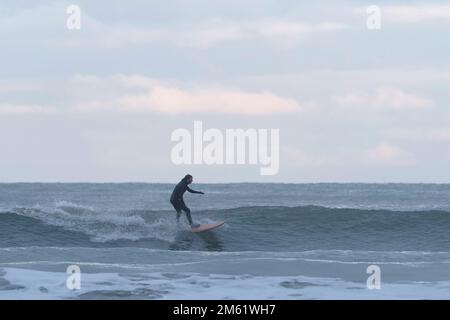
{"x":387,"y":154}
{"x":12,"y":86}
{"x":132,"y":154}
{"x":281,"y":28}
{"x":417,"y":13}
{"x":200,"y":34}
{"x":294,"y":156}
{"x":168,"y":97}
{"x":274,"y":30}
{"x":17,"y":109}
{"x":383,"y":98}
{"x":172,"y":100}
{"x":192,"y":33}
{"x":359,"y":79}
{"x":418,"y":134}
{"x":384,"y":153}
{"x":117,"y":80}
{"x":410,"y":13}
{"x":140,"y":94}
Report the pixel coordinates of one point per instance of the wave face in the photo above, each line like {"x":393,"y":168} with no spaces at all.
{"x":248,"y":228}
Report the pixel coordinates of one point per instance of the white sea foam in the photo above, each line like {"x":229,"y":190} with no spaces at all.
{"x":27,"y":284}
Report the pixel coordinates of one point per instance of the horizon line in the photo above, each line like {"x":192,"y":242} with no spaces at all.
{"x":228,"y":182}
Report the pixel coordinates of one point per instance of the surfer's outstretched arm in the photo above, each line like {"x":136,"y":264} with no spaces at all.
{"x":193,"y":191}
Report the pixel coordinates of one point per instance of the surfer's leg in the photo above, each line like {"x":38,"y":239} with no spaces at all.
{"x":177,"y":208}
{"x":188,"y":213}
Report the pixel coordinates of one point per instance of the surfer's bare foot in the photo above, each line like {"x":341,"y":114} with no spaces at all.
{"x":195,"y":225}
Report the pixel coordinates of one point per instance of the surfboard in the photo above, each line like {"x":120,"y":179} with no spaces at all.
{"x":207,"y":227}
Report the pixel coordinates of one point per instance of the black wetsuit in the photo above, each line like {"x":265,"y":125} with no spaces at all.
{"x":177,"y":199}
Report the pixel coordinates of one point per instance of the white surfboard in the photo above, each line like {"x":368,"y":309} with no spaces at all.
{"x":207,"y":227}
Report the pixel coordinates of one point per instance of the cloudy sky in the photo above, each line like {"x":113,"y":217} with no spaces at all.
{"x":99,"y":104}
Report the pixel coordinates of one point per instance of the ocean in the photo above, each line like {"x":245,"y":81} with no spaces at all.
{"x":280,"y":241}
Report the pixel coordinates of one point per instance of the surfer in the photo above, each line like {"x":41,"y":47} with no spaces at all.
{"x":177,"y":198}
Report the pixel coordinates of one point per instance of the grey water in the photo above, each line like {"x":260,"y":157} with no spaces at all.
{"x":293,"y":241}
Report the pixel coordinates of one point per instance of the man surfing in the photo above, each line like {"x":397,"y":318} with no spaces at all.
{"x":176,"y":199}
